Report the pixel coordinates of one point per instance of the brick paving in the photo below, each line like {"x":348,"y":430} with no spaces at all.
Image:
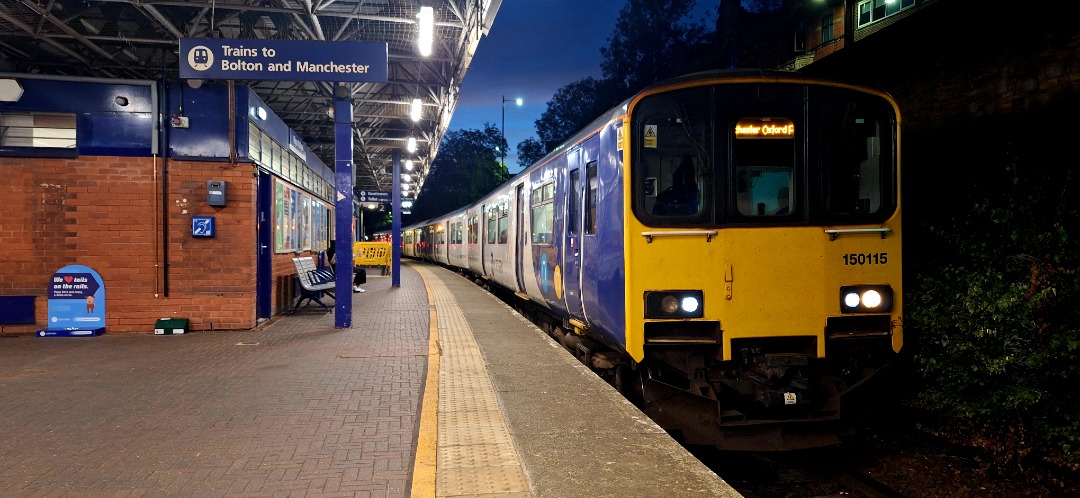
{"x":296,"y":408}
{"x":299,"y":408}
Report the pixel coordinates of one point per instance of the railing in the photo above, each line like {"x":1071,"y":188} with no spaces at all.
{"x":372,"y":254}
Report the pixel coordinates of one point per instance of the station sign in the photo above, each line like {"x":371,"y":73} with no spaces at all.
{"x":282,"y":60}
{"x":373,"y":196}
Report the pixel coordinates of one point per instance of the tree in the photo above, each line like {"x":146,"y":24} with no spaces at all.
{"x":572,"y":108}
{"x":465,"y":170}
{"x":651,"y":42}
{"x":529,"y":151}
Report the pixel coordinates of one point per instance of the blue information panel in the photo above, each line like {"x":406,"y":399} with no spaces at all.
{"x":282,"y":60}
{"x":202,"y":226}
{"x":76,"y":303}
{"x":373,"y":196}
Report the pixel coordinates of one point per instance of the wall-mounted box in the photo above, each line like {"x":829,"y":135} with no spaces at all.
{"x":215,"y":192}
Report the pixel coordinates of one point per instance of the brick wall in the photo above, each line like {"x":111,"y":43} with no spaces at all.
{"x":105,"y":213}
{"x":953,"y":64}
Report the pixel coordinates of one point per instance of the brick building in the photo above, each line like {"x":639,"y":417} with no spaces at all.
{"x":112,"y":175}
{"x":981,"y":87}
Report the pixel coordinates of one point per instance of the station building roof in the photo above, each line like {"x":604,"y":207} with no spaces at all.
{"x":139,"y":39}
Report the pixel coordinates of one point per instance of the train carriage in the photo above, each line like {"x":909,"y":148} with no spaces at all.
{"x":725,"y":247}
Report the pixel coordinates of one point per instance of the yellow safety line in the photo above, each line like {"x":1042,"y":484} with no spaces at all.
{"x":424,"y":466}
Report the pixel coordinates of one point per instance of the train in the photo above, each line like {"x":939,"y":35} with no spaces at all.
{"x":723,"y":247}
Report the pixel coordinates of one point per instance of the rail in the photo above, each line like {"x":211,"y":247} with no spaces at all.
{"x":836,"y":232}
{"x":709,"y":234}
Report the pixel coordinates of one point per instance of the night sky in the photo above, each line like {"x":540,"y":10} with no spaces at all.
{"x":534,"y":48}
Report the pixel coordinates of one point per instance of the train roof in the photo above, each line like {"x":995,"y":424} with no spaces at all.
{"x":622,"y":107}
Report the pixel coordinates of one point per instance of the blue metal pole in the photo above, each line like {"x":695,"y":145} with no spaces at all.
{"x":395,"y":215}
{"x":343,"y":212}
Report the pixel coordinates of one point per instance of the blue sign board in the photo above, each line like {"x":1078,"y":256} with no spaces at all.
{"x":202,"y":226}
{"x":373,"y":196}
{"x":76,"y":303}
{"x":282,"y":60}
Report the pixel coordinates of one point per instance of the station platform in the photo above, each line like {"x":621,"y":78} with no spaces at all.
{"x":438,"y":390}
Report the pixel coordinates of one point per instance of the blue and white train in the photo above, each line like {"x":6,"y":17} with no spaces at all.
{"x":724,"y":247}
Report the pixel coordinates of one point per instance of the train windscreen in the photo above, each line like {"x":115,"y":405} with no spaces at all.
{"x":763,"y":154}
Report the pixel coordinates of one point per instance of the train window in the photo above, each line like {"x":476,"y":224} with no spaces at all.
{"x":672,"y":148}
{"x":856,"y":154}
{"x":764,"y":190}
{"x":763,"y":155}
{"x":574,"y":202}
{"x":504,"y":223}
{"x":590,"y":198}
{"x":543,"y":212}
{"x":682,"y":195}
{"x":492,"y":220}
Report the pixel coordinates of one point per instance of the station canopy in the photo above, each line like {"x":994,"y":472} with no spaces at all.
{"x":139,"y":39}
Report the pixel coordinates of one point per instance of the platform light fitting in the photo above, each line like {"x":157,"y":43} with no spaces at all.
{"x":414,"y":110}
{"x":427,"y":30}
{"x":408,"y":165}
{"x":411,"y":145}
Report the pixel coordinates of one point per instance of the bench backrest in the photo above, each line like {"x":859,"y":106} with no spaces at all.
{"x":309,"y":276}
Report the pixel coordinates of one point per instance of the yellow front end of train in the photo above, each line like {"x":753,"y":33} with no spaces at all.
{"x":768,"y":283}
{"x":763,"y":256}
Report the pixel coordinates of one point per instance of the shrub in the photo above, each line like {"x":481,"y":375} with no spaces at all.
{"x":994,"y":315}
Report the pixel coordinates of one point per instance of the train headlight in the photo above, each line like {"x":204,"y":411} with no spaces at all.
{"x":674,"y":304}
{"x":866,"y":299}
{"x":669,"y":305}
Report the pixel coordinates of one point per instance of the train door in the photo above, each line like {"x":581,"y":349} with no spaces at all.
{"x":571,"y":250}
{"x":520,"y":241}
{"x":264,"y":234}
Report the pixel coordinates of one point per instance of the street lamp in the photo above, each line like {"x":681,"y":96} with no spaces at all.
{"x":504,"y":101}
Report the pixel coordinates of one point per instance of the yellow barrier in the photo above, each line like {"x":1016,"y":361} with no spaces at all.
{"x":372,"y":254}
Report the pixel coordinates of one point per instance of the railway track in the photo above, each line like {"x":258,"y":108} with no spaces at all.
{"x":811,"y":473}
{"x":804,"y":474}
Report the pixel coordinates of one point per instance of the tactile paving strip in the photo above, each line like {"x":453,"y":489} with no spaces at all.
{"x":476,"y":454}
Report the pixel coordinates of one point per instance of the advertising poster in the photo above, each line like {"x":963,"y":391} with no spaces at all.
{"x":76,"y":303}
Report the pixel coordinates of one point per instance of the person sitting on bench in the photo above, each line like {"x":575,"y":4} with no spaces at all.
{"x":359,"y":274}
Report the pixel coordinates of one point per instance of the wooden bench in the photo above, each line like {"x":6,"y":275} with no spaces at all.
{"x":313,"y":283}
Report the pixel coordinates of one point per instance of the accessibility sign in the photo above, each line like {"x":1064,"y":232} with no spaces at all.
{"x":282,"y":60}
{"x":203,"y":226}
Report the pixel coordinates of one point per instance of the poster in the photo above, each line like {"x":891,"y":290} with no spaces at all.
{"x":76,"y":303}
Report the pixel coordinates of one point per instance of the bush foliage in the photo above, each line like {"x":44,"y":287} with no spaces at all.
{"x":992,"y":306}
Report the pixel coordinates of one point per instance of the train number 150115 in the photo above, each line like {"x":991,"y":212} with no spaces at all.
{"x":870,"y":258}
